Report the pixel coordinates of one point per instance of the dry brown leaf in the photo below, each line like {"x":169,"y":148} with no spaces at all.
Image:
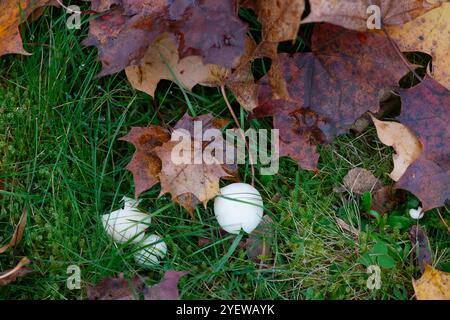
{"x":18,"y":271}
{"x":162,"y":61}
{"x":359,"y":180}
{"x":428,"y":33}
{"x":12,"y":14}
{"x":352,"y":14}
{"x":433,"y":285}
{"x":405,"y":143}
{"x":280,"y":19}
{"x":18,"y":233}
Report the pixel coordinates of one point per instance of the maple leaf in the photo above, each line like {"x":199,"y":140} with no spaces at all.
{"x":162,"y":61}
{"x":352,"y":14}
{"x":329,"y":88}
{"x":210,"y":29}
{"x":201,"y":180}
{"x":145,"y":164}
{"x":189,"y":184}
{"x":122,"y":289}
{"x":12,"y":14}
{"x":425,"y":112}
{"x":433,"y":285}
{"x":428,"y":34}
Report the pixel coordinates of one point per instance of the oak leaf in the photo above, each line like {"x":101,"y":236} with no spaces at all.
{"x":353,"y":14}
{"x":430,"y":34}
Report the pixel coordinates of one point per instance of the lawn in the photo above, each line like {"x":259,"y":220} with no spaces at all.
{"x":60,"y":158}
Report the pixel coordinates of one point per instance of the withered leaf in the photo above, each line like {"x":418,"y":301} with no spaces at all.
{"x":280,"y":19}
{"x":352,"y":14}
{"x":425,"y":112}
{"x":18,"y":233}
{"x":360,"y":180}
{"x":160,"y":56}
{"x":421,"y":246}
{"x":167,"y":289}
{"x":11,"y":275}
{"x":433,"y":285}
{"x":195,"y":177}
{"x":145,"y":164}
{"x":122,"y":289}
{"x":12,"y":14}
{"x":210,"y":29}
{"x":329,"y":88}
{"x":405,"y":143}
{"x":428,"y":33}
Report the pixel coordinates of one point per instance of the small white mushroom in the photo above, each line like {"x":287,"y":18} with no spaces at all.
{"x":126,"y":224}
{"x":416,"y":214}
{"x":239,"y":206}
{"x":153,"y":249}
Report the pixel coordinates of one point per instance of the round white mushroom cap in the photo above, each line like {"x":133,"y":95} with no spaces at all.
{"x":153,"y":248}
{"x":126,"y":224}
{"x":239,"y":206}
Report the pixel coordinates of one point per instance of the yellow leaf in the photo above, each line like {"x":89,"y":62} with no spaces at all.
{"x":433,"y":285}
{"x":430,"y":34}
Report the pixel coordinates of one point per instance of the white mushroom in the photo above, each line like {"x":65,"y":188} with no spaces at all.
{"x":239,"y":206}
{"x":126,"y":224}
{"x":152,"y":249}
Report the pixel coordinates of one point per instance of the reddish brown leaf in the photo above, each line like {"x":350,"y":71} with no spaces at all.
{"x":425,"y":112}
{"x":11,"y":275}
{"x":200,"y":180}
{"x":329,"y":88}
{"x":352,"y":14}
{"x":209,"y":29}
{"x":12,"y":14}
{"x":167,"y":289}
{"x":421,"y":246}
{"x":145,"y":164}
{"x":123,"y":289}
{"x":18,"y":233}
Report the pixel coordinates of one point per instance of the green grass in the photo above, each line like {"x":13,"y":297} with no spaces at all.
{"x":60,"y":158}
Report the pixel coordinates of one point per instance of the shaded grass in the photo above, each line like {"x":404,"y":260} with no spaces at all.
{"x":60,"y":157}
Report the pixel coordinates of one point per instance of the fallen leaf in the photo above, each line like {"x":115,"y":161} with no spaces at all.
{"x":405,"y":143}
{"x":421,"y":246}
{"x":209,"y":29}
{"x":345,"y":226}
{"x":328,"y":89}
{"x":189,"y":183}
{"x":11,"y":275}
{"x":433,"y":285}
{"x":201,"y":180}
{"x":161,"y":61}
{"x":12,"y":14}
{"x":18,"y":233}
{"x":428,"y":33}
{"x":352,"y":14}
{"x":122,"y":289}
{"x":280,"y":19}
{"x":167,"y":289}
{"x":384,"y":199}
{"x":425,"y":113}
{"x":145,"y":164}
{"x":360,"y":180}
